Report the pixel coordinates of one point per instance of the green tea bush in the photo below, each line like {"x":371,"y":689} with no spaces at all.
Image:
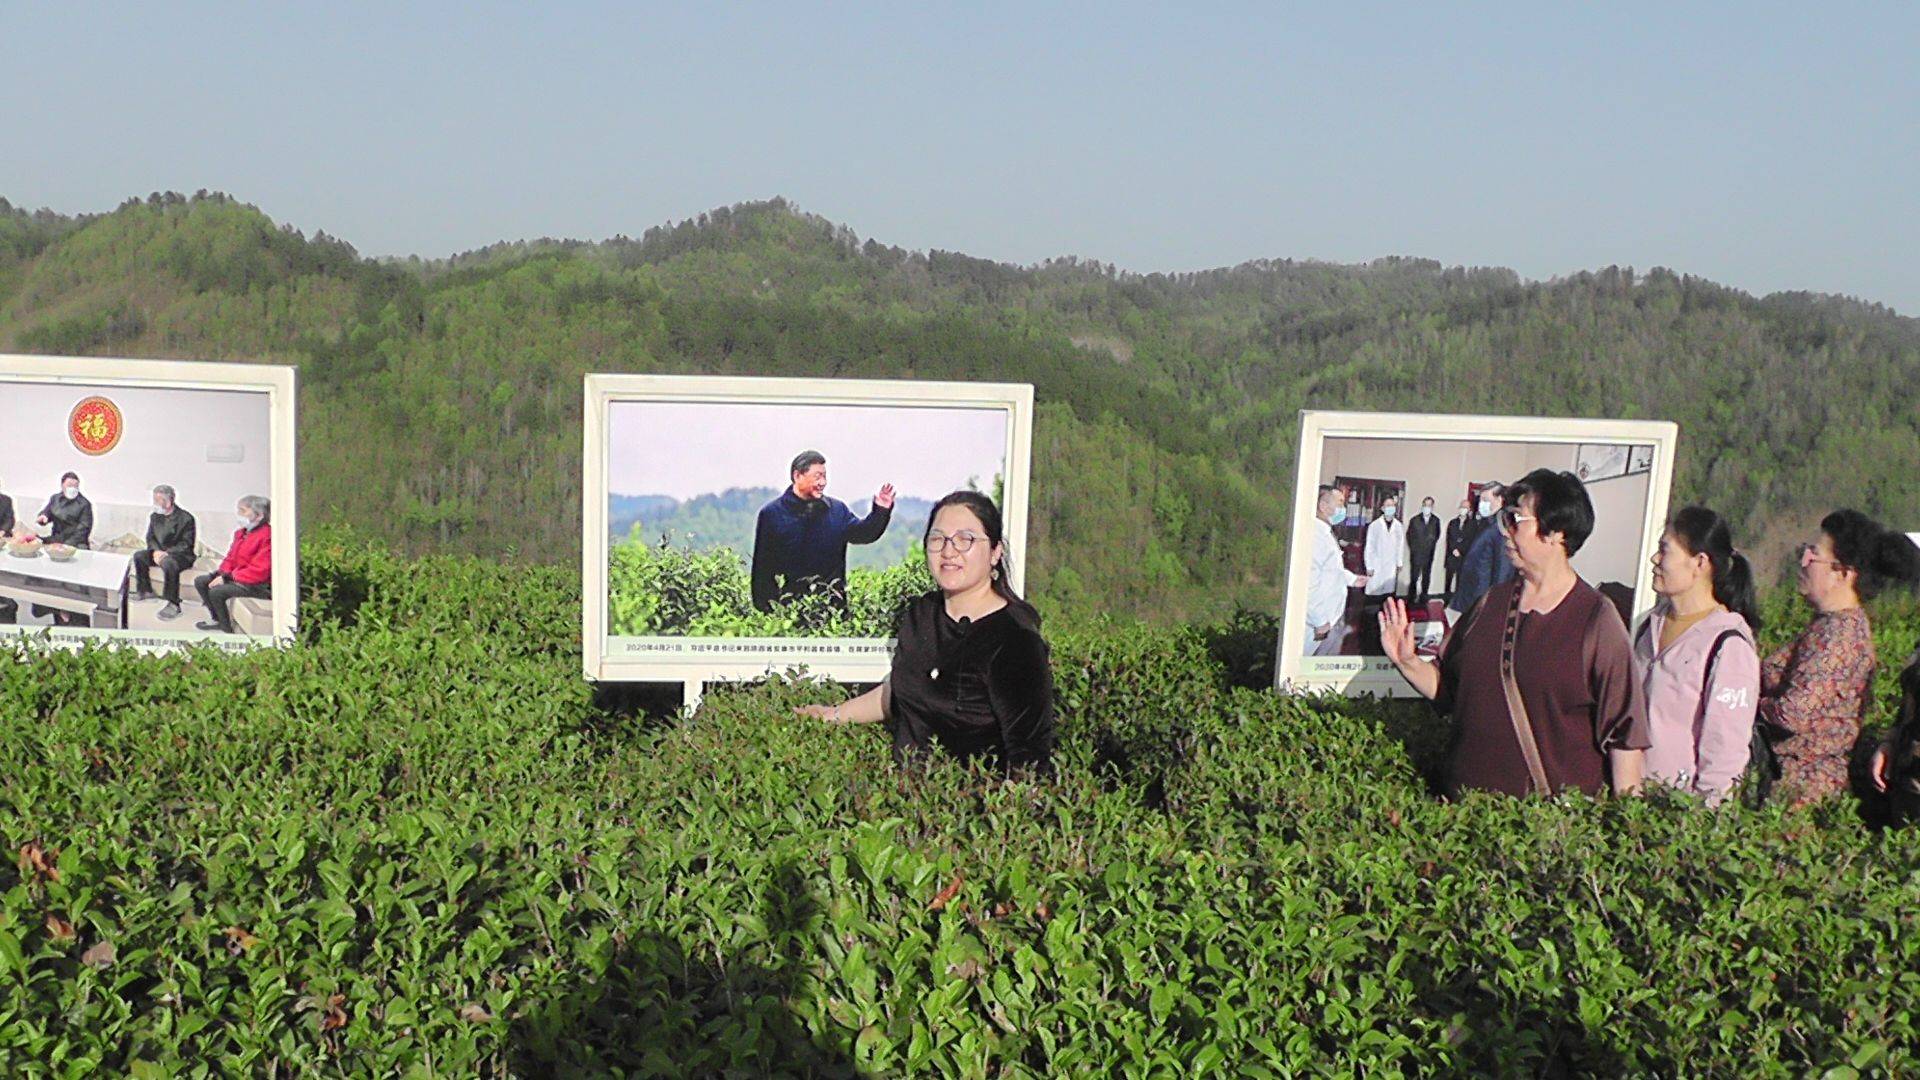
{"x":661,"y":590}
{"x":415,"y":845}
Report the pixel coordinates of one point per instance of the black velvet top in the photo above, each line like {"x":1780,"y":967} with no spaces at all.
{"x":976,"y":688}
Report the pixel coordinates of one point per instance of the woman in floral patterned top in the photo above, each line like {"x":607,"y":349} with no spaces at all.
{"x":1814,"y":691}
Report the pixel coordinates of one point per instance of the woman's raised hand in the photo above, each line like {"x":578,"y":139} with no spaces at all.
{"x":1396,"y":633}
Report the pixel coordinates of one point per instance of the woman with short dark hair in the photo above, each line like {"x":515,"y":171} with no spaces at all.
{"x":1539,"y":674}
{"x":971,"y":673}
{"x":1815,"y":691}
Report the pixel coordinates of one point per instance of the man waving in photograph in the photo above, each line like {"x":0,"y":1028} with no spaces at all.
{"x":800,"y":540}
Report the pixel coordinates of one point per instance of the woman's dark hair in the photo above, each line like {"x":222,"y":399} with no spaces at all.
{"x":1559,"y":502}
{"x":66,"y":476}
{"x":1704,"y":532}
{"x":989,"y":515}
{"x":1880,"y":556}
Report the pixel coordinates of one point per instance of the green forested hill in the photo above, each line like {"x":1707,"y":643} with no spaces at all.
{"x":441,"y":399}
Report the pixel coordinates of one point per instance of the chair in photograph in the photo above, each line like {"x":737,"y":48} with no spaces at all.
{"x":252,"y":616}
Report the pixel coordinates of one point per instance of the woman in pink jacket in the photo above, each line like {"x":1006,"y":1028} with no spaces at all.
{"x":1696,"y":658}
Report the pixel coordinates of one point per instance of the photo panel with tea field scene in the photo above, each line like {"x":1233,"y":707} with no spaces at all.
{"x":748,"y":525}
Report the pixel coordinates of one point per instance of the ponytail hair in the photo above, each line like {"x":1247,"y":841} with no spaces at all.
{"x":982,"y":507}
{"x":1706,"y":532}
{"x":1878,"y":555}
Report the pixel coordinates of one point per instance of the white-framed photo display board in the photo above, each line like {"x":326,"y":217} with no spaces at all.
{"x":1407,"y":509}
{"x":738,"y":527}
{"x":124,"y":483}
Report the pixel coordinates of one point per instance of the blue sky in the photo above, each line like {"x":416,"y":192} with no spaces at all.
{"x":1765,"y":146}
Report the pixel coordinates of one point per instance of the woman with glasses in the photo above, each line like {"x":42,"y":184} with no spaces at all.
{"x":1696,"y":658}
{"x":971,"y":672}
{"x":1539,"y":674}
{"x":1814,"y":691}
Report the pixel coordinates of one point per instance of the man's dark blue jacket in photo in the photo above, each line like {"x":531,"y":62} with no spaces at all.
{"x":805,"y":541}
{"x":1485,"y":566}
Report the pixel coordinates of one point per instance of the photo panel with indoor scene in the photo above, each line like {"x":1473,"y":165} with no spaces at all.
{"x":146,"y":503}
{"x":740,"y":526}
{"x":1408,"y":506}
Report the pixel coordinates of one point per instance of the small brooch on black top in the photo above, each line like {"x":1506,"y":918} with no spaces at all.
{"x":934,"y":674}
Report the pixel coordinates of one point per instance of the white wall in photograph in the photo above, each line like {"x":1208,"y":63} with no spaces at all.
{"x":212,"y":446}
{"x":1609,"y":555}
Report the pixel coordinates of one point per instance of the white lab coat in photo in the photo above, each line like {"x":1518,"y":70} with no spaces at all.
{"x":1386,"y":555}
{"x":1326,"y":592}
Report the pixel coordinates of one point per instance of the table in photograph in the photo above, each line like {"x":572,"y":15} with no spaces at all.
{"x":93,"y":583}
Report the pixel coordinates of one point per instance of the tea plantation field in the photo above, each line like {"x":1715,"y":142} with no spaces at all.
{"x":418,"y":845}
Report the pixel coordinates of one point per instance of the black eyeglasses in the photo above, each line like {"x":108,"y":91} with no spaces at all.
{"x":962,"y":541}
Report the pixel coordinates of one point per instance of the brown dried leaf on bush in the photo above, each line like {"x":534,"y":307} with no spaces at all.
{"x":239,"y":940}
{"x":966,"y":969}
{"x":474,"y":1014}
{"x":336,"y":1017}
{"x":102,"y":954}
{"x":61,"y":929}
{"x":39,"y":862}
{"x":946,"y":894}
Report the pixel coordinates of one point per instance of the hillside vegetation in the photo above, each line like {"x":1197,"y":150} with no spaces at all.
{"x":441,"y":399}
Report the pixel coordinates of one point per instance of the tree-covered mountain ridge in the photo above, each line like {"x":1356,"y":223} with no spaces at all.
{"x":441,"y":397}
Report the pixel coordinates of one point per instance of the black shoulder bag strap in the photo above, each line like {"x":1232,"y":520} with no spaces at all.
{"x":1706,"y":673}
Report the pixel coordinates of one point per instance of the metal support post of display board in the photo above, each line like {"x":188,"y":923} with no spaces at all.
{"x":690,"y":695}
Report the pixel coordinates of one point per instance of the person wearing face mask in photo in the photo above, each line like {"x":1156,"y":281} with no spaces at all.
{"x":1328,"y":577}
{"x":971,"y":672}
{"x":70,"y":514}
{"x":1459,"y":531}
{"x":1386,"y":550}
{"x":172,"y":536}
{"x":1423,"y":538}
{"x":246,"y":571}
{"x":1486,"y":563}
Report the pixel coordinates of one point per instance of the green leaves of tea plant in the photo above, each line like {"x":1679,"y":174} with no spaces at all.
{"x":411,"y":846}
